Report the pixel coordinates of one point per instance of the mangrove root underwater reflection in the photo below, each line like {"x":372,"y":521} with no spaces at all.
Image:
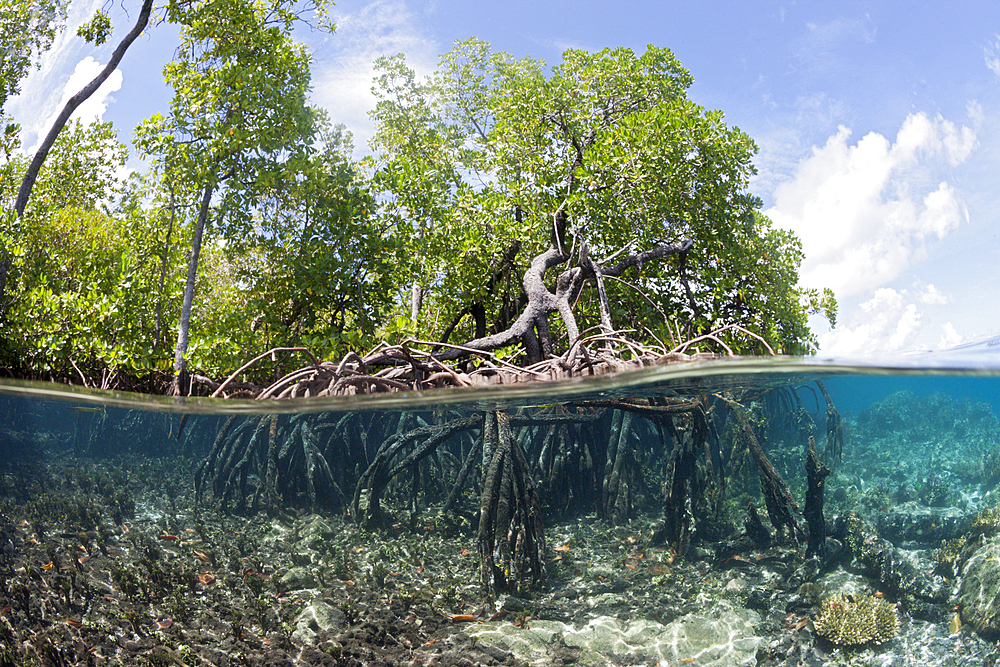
{"x":816,"y":474}
{"x":499,"y":475}
{"x":511,"y":542}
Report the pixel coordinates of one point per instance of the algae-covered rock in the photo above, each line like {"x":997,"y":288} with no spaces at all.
{"x":852,"y":618}
{"x":316,"y":617}
{"x":297,"y":578}
{"x":979,"y":594}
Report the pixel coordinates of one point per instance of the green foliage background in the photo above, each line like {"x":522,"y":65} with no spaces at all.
{"x":306,"y":245}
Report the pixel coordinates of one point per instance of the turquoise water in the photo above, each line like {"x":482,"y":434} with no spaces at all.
{"x":659,"y":460}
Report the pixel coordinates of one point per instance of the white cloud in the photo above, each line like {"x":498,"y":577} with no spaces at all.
{"x":46,"y":88}
{"x":932,"y":296}
{"x":856,"y":208}
{"x":93,"y":108}
{"x":90,"y":110}
{"x":343,"y":72}
{"x":992,"y":59}
{"x":885,"y":323}
{"x":892,"y":321}
{"x":949,"y":336}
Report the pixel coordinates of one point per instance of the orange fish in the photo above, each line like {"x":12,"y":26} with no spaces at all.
{"x":206,"y":578}
{"x":48,"y":566}
{"x":564,"y":547}
{"x":124,"y":529}
{"x":73,"y":622}
{"x":164,"y":624}
{"x":169,"y":537}
{"x":459,"y":618}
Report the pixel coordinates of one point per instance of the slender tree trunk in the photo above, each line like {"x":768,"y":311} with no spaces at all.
{"x":416,"y":300}
{"x":163,"y":273}
{"x":72,"y":103}
{"x":180,"y":364}
{"x":28,"y":182}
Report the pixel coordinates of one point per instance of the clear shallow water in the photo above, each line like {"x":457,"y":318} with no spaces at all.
{"x":920,"y":459}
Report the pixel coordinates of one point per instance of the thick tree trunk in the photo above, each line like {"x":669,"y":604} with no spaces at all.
{"x":180,"y":363}
{"x":542,"y":301}
{"x":816,"y":474}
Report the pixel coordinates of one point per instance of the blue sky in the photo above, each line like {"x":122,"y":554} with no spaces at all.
{"x":878,"y":125}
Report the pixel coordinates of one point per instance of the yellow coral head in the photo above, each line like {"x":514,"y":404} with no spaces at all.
{"x":850,"y":619}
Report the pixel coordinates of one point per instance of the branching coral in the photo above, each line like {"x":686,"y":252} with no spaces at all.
{"x":851,"y":619}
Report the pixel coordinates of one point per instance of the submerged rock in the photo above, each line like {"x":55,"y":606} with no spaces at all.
{"x":317,"y":617}
{"x":979,"y":595}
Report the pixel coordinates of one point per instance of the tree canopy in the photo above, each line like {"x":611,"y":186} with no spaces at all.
{"x":506,"y":206}
{"x":601,"y":161}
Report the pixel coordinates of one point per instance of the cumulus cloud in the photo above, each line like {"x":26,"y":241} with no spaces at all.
{"x":891,"y":322}
{"x":62,"y":71}
{"x":343,"y":72}
{"x":932,"y":296}
{"x":949,"y":336}
{"x":859,"y":209}
{"x":91,"y":110}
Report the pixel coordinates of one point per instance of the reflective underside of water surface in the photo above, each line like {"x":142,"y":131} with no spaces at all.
{"x":737,"y":512}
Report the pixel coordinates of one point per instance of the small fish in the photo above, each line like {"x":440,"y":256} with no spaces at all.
{"x":164,"y":624}
{"x":201,"y":555}
{"x":124,"y":529}
{"x":73,"y":622}
{"x":5,"y":609}
{"x":879,"y":594}
{"x":459,"y":618}
{"x":23,"y":523}
{"x":48,"y":566}
{"x":189,"y":530}
{"x":564,"y":547}
{"x":206,"y":578}
{"x":97,"y":411}
{"x":169,"y":537}
{"x":465,"y":552}
{"x":82,"y":559}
